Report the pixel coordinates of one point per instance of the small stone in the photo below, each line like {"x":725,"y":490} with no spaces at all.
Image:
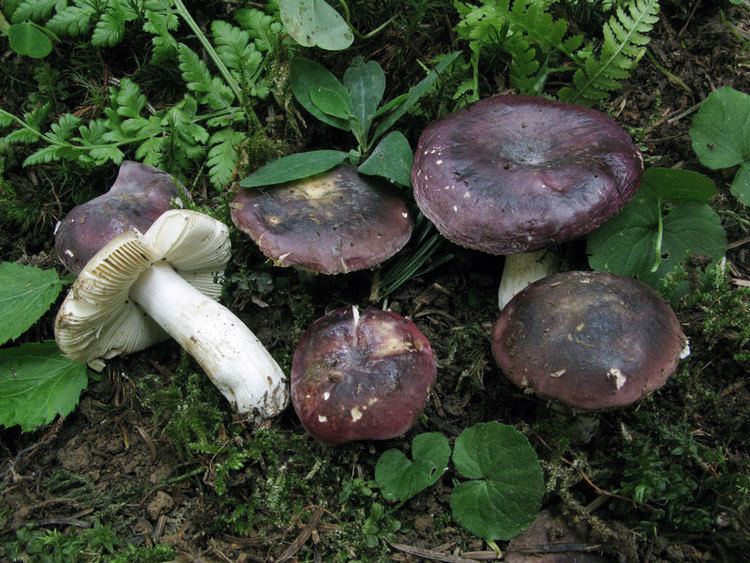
{"x":161,"y":503}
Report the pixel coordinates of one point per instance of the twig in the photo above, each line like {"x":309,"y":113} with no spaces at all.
{"x":302,"y":538}
{"x":430,"y":554}
{"x":559,"y":548}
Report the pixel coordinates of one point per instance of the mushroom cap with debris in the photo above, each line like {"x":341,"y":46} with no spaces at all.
{"x":98,"y":320}
{"x":361,"y":376}
{"x":331,"y":223}
{"x":514,"y":174}
{"x":139,"y":196}
{"x":591,"y":340}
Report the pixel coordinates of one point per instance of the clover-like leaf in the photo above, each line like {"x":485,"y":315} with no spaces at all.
{"x":37,"y":383}
{"x":26,"y":292}
{"x":507,"y":484}
{"x":28,"y":39}
{"x":314,"y":23}
{"x":401,"y":478}
{"x":665,"y":222}
{"x":721,"y":136}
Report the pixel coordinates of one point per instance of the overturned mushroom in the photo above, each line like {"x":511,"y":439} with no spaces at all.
{"x":332,"y":223}
{"x":138,"y":197}
{"x":515,"y":174}
{"x":590,"y":340}
{"x":142,"y":288}
{"x":361,"y":376}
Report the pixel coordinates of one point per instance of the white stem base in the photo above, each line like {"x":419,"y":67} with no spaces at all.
{"x":523,"y":269}
{"x":231,"y":355}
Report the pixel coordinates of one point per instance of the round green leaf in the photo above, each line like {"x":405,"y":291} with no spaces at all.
{"x":721,"y":129}
{"x":506,"y":493}
{"x":27,"y":39}
{"x":401,"y":478}
{"x":315,"y":23}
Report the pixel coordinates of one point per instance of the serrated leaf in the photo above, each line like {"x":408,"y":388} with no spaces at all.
{"x":366,"y":85}
{"x":264,"y":29}
{"x":401,"y":478}
{"x":36,"y":10}
{"x":37,"y":384}
{"x":44,"y":156}
{"x":314,"y":23}
{"x":214,"y":92}
{"x":26,"y":292}
{"x":628,"y":244}
{"x":506,"y":492}
{"x":294,"y":167}
{"x":414,"y":94}
{"x":26,"y":39}
{"x":110,"y":29}
{"x":222,"y":156}
{"x":73,"y":20}
{"x":392,"y":159}
{"x":307,"y":75}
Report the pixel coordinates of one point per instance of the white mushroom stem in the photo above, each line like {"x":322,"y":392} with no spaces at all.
{"x":523,"y":269}
{"x":231,"y":355}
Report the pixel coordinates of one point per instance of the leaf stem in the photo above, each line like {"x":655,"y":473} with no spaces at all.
{"x":228,"y":78}
{"x":659,"y":238}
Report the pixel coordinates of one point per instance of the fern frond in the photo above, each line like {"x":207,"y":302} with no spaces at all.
{"x":36,"y":10}
{"x":625,"y":40}
{"x":222,"y":156}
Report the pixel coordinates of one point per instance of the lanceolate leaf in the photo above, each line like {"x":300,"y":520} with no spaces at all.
{"x":315,"y":23}
{"x":26,"y":293}
{"x":37,"y":383}
{"x":294,"y":167}
{"x":308,"y":75}
{"x":391,"y":159}
{"x":366,"y":85}
{"x":507,"y":484}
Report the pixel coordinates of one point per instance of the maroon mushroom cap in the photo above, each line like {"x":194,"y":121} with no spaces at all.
{"x":514,"y":174}
{"x":588,"y":339}
{"x":138,"y":197}
{"x":361,"y":376}
{"x":332,"y":223}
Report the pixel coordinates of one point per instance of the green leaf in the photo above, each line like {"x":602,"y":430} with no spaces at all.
{"x":392,"y":159}
{"x":506,"y":492}
{"x":222,"y":156}
{"x":314,"y":23}
{"x":630,"y":243}
{"x":264,"y":29}
{"x":35,"y":10}
{"x":308,"y":75}
{"x":294,"y":167}
{"x":73,"y":20}
{"x":415,"y":93}
{"x":37,"y":383}
{"x":27,"y":39}
{"x":678,"y":186}
{"x":401,"y":478}
{"x":366,"y":85}
{"x":213,"y":92}
{"x":26,"y":292}
{"x":721,"y":129}
{"x":721,"y":136}
{"x":331,"y":102}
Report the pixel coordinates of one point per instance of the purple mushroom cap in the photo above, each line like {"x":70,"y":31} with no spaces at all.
{"x":138,"y":197}
{"x":514,"y":174}
{"x":590,"y":340}
{"x":361,"y":376}
{"x":332,"y":223}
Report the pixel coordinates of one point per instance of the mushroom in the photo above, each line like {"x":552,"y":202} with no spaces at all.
{"x":138,"y":197}
{"x":361,"y":376}
{"x":332,"y":223}
{"x":140,"y":289}
{"x":590,"y":340}
{"x":513,"y":175}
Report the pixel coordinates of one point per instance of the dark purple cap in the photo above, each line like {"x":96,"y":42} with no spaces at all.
{"x":138,"y":197}
{"x":332,"y":223}
{"x":361,"y":376}
{"x":514,"y":174}
{"x":591,"y":340}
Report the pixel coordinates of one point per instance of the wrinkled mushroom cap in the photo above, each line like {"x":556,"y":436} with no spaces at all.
{"x":361,"y":376}
{"x":514,"y":174}
{"x":138,"y":197}
{"x":98,"y":320}
{"x":588,"y":339}
{"x":332,"y":223}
